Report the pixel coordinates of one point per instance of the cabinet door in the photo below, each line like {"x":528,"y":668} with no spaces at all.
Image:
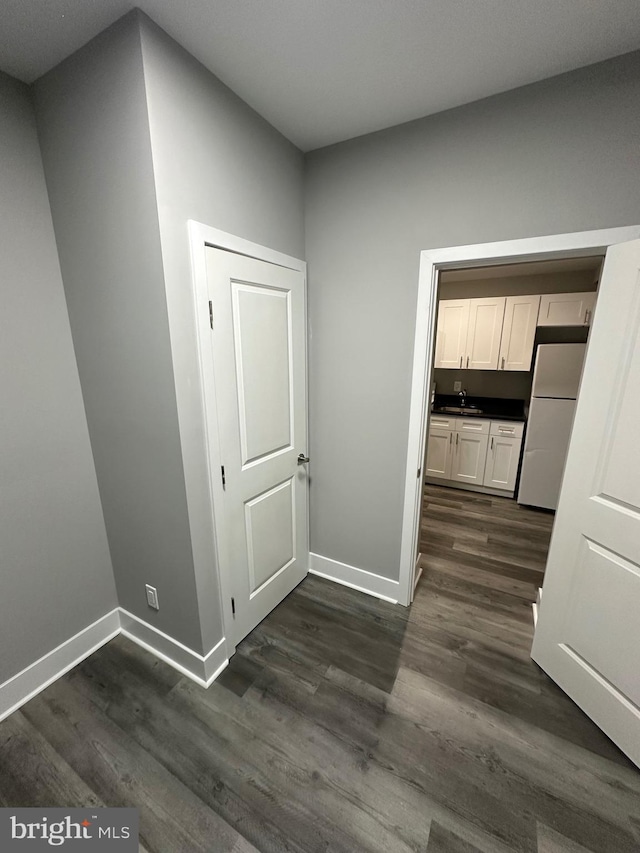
{"x":439,"y":453}
{"x":451,"y":337}
{"x":485,"y":330}
{"x":518,"y":332}
{"x":469,"y":457}
{"x":502,"y":462}
{"x":566,"y":309}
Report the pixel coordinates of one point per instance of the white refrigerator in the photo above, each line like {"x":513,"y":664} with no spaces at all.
{"x":556,"y":379}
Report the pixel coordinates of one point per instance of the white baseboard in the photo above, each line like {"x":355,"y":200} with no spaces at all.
{"x":26,"y":684}
{"x":203,"y":669}
{"x":359,"y":579}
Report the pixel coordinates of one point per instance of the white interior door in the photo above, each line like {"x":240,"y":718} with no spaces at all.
{"x":259,"y":355}
{"x":588,"y":631}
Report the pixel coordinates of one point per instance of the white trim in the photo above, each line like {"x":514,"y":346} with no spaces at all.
{"x":579,"y":244}
{"x":30,"y":681}
{"x":203,"y":669}
{"x":201,"y":236}
{"x":469,"y":487}
{"x":417,"y":574}
{"x":350,"y":576}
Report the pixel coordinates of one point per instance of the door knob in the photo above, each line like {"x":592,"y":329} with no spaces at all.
{"x":302,"y":459}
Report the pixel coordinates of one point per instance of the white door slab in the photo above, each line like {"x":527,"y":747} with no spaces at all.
{"x":588,"y":629}
{"x":259,"y":363}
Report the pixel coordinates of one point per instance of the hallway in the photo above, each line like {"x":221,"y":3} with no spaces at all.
{"x":344,"y":723}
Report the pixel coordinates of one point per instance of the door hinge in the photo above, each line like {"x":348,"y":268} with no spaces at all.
{"x":222,"y":474}
{"x":233,"y":606}
{"x":211,"y":313}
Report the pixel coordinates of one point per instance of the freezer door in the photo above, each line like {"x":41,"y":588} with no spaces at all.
{"x":545,"y":452}
{"x":558,"y":370}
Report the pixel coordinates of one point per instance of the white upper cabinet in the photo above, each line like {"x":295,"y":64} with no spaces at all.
{"x":518,"y":332}
{"x":485,"y":329}
{"x":451,"y":338}
{"x":566,"y":309}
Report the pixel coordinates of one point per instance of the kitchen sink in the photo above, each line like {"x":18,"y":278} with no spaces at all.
{"x":459,"y":410}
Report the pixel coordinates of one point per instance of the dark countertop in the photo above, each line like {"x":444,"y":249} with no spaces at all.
{"x":494,"y":408}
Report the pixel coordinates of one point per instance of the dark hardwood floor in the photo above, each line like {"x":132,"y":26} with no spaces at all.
{"x":348,"y":724}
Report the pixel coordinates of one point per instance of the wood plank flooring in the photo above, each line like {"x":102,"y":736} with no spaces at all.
{"x":344,"y":723}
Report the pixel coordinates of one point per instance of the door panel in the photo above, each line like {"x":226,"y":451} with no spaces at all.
{"x":261,"y":320}
{"x":588,"y":628}
{"x":451,"y":337}
{"x":439,"y":453}
{"x":486,"y":316}
{"x":518,"y":332}
{"x":259,"y":360}
{"x":270,"y":529}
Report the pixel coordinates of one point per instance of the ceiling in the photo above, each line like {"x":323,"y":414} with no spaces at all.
{"x":322,"y":71}
{"x":590,"y":264}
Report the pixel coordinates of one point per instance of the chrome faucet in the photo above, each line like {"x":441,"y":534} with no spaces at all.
{"x":463,"y":397}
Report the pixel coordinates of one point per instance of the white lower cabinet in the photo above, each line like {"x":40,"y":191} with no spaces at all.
{"x":479,"y":453}
{"x":469,"y":457}
{"x":439,"y":452}
{"x":501,"y":468}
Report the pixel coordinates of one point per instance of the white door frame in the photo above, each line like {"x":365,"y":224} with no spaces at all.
{"x":579,"y":244}
{"x":201,"y":236}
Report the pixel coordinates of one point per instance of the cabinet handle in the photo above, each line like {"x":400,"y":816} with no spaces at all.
{"x":457,"y":437}
{"x":450,"y":437}
{"x":502,"y":362}
{"x":492,"y":442}
{"x":467,"y":361}
{"x":460,"y":361}
{"x":587,"y":317}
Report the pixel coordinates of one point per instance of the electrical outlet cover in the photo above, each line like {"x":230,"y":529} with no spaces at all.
{"x":457,"y":386}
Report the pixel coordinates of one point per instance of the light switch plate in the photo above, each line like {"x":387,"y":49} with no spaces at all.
{"x":152,"y":596}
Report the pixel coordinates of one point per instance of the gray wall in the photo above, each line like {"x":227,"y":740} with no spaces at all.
{"x":94,"y":133}
{"x":217,"y":162}
{"x":55,"y":565}
{"x":557,"y":156}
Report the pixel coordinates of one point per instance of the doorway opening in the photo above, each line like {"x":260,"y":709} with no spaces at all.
{"x":588,"y":244}
{"x":506,"y":365}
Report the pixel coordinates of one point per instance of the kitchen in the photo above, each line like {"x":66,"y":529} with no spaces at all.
{"x":509,"y":349}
